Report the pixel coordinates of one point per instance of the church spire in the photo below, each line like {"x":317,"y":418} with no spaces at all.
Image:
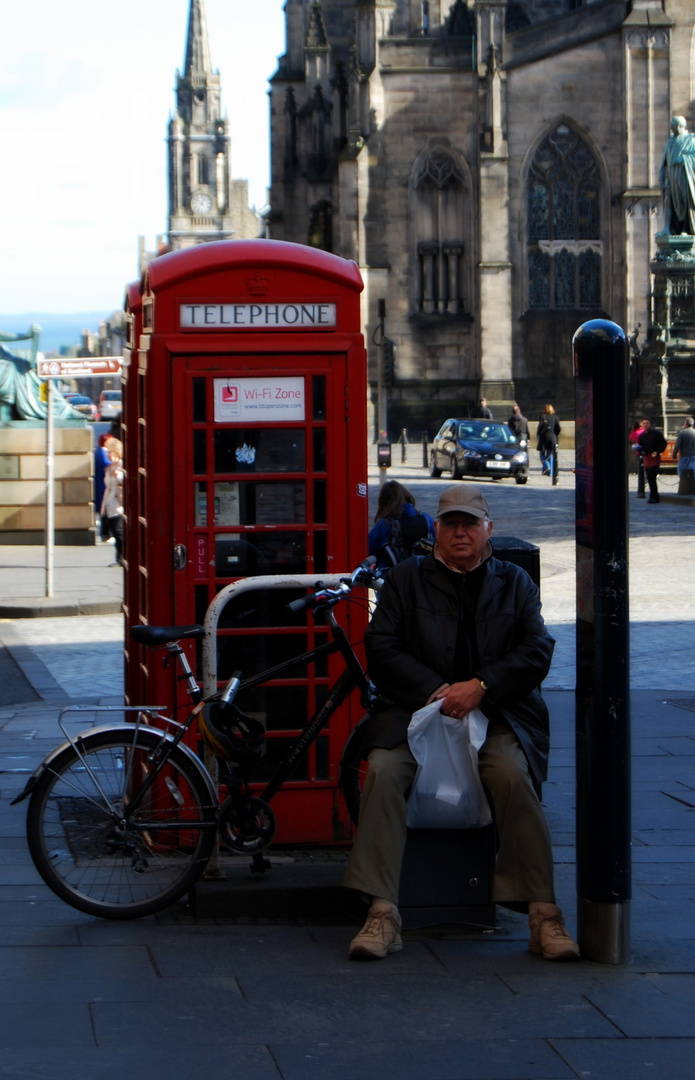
{"x":197,"y":60}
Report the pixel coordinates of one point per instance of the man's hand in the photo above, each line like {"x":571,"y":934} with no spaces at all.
{"x":459,"y":698}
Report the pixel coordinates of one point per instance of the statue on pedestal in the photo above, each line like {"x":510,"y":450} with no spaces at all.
{"x":677,"y":180}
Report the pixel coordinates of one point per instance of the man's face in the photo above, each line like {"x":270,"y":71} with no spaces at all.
{"x":462,"y":539}
{"x":646,"y":424}
{"x":677,"y":126}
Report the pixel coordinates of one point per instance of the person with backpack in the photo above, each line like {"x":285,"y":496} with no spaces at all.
{"x":399,"y":529}
{"x":546,"y":433}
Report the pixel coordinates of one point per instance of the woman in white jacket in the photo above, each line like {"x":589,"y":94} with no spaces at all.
{"x":112,"y":503}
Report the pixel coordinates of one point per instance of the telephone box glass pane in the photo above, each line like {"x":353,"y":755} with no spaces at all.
{"x":258,"y":553}
{"x":201,"y":504}
{"x":319,"y":449}
{"x":318,"y":394}
{"x":200,"y":456}
{"x":261,"y":608}
{"x":253,"y":653}
{"x":320,"y":501}
{"x":281,"y":503}
{"x":320,"y":553}
{"x":200,"y":414}
{"x":245,"y":450}
{"x":279,"y":708}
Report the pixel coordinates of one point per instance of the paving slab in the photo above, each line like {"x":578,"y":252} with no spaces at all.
{"x":413,"y":1059}
{"x":628,"y":1059}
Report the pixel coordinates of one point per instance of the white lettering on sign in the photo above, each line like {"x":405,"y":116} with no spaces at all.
{"x":245,"y":401}
{"x":79,"y":367}
{"x":297,"y":316}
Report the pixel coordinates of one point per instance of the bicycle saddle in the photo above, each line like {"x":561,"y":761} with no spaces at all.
{"x":156,"y":636}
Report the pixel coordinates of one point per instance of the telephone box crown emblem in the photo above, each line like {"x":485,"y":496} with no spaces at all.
{"x":257,"y":285}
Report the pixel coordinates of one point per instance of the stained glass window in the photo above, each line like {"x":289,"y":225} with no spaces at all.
{"x":539,"y":279}
{"x":439,"y":184}
{"x":563,"y":224}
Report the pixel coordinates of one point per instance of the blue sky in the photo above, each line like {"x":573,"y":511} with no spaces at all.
{"x":86,"y":88}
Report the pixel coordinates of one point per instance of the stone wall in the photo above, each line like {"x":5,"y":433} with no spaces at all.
{"x":23,"y":484}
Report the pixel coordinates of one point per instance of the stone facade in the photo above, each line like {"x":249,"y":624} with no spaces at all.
{"x":492,"y":166}
{"x":23,"y":484}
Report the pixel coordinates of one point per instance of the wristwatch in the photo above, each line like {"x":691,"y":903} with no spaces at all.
{"x":483,"y":685}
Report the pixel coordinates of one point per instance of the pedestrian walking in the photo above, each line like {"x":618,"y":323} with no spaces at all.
{"x":653,"y":444}
{"x":480,"y":410}
{"x":633,"y":437}
{"x":102,"y":461}
{"x":518,"y":423}
{"x":684,"y":446}
{"x":112,"y":503}
{"x":547,"y":434}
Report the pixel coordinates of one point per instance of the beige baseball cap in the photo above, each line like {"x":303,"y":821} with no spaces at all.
{"x":463,"y":499}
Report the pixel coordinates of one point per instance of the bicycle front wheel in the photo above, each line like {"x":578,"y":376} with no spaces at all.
{"x":353,"y":769}
{"x":99,"y":856}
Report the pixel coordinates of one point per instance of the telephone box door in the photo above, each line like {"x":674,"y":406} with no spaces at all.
{"x":257,"y":448}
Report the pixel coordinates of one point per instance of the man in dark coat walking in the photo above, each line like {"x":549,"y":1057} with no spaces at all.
{"x":462,"y":627}
{"x":518,"y":423}
{"x":653,"y":445}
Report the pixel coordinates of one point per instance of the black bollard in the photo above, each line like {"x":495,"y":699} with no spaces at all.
{"x":603,"y":637}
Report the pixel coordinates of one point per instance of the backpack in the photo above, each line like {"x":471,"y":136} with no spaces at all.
{"x":409,"y":536}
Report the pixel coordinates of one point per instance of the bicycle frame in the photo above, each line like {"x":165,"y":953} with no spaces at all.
{"x":353,"y":676}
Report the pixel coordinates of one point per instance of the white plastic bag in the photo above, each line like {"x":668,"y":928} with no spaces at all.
{"x":447,"y":791}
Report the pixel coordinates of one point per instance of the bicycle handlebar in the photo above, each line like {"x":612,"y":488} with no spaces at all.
{"x":365,"y":574}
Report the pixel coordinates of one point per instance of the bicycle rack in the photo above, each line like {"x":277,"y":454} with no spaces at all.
{"x":270,"y":581}
{"x":212,"y":618}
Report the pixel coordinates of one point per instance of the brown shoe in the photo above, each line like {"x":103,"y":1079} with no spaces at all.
{"x":380,"y":935}
{"x":549,"y":937}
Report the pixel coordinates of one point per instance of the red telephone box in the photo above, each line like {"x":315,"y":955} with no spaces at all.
{"x":245,"y":441}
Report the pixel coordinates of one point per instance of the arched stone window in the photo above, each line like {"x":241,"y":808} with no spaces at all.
{"x":439,"y":183}
{"x":563,"y":224}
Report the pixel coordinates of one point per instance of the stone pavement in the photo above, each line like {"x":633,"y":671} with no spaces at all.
{"x":178,"y":995}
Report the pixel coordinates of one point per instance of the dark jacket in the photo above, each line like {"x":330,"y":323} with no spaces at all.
{"x":547,"y":432}
{"x":652,"y":442}
{"x":518,"y":423}
{"x":411,"y":645}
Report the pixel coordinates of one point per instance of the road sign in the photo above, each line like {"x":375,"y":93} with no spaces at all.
{"x":79,"y":367}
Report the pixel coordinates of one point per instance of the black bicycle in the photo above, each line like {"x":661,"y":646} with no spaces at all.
{"x":124,"y":818}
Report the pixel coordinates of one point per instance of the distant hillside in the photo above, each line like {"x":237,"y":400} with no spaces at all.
{"x":56,"y":330}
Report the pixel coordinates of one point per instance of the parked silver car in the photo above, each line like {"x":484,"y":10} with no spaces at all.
{"x":110,"y":404}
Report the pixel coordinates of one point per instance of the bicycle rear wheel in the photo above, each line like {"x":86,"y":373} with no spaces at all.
{"x":96,"y":856}
{"x":353,"y":769}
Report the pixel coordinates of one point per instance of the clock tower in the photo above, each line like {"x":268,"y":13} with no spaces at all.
{"x":205,"y":203}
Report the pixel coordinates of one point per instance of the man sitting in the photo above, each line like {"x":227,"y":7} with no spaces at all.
{"x":462,"y":627}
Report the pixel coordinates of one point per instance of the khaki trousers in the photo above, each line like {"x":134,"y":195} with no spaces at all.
{"x":524,"y":866}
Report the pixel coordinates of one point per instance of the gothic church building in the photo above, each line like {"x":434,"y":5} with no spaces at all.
{"x":492,"y":166}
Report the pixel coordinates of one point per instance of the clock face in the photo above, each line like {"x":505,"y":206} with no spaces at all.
{"x":201,"y":203}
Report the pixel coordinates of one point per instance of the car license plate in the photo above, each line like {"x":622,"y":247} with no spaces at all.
{"x":498,"y":465}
